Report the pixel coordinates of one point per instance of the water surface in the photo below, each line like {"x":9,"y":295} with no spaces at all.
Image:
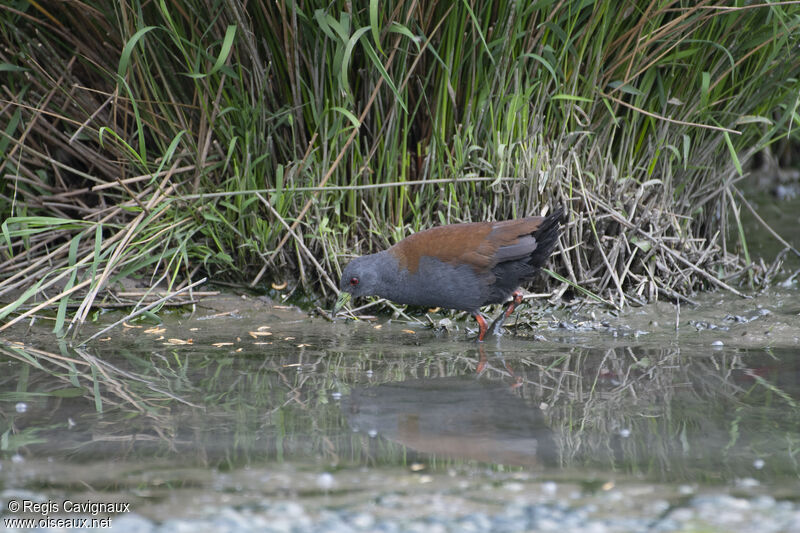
{"x":244,"y":403}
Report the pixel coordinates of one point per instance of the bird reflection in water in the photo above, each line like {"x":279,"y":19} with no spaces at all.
{"x":483,"y":366}
{"x":457,"y":417}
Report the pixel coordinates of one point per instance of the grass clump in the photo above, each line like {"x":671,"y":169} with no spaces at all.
{"x":269,"y":141}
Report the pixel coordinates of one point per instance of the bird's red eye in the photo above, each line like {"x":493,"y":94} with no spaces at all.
{"x":353,"y":281}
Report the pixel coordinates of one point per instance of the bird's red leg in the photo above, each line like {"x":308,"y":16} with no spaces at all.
{"x":516,"y":299}
{"x":481,"y":334}
{"x":483,"y":327}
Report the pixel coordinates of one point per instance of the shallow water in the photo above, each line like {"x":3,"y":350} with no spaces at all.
{"x":245,"y":404}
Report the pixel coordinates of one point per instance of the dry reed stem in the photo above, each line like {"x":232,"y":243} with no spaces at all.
{"x":591,"y":214}
{"x":659,"y":244}
{"x":667,"y":119}
{"x":322,"y":272}
{"x":266,"y":264}
{"x":80,"y":316}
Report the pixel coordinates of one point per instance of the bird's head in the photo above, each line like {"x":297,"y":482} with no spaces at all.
{"x":359,"y":278}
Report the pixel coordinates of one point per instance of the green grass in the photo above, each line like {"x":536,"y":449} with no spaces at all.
{"x":173,"y":141}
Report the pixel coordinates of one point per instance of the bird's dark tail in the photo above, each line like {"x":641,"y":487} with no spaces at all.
{"x":546,"y":237}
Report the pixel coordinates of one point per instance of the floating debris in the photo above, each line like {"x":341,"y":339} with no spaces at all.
{"x":179,"y":342}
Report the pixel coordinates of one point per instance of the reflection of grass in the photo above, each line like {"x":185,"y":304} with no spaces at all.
{"x":73,"y":374}
{"x":12,"y":440}
{"x":652,"y":412}
{"x":679,"y":418}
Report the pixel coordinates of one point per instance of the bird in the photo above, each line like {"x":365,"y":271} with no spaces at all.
{"x":457,"y":266}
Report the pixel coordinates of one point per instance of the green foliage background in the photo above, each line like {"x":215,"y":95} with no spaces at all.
{"x":268,"y":141}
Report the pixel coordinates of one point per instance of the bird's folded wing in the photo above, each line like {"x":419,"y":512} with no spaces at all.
{"x":480,"y":245}
{"x":514,"y":239}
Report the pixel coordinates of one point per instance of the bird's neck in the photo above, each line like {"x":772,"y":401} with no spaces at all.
{"x":392,"y":277}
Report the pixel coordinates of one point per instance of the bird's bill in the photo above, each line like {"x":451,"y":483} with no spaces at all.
{"x":343,"y":298}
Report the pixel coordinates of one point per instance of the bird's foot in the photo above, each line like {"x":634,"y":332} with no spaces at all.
{"x":497,"y":326}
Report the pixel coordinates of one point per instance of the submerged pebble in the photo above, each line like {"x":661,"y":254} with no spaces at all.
{"x":325,"y":480}
{"x":701,"y":325}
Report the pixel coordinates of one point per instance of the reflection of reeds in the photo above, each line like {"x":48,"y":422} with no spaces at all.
{"x":661,"y":413}
{"x":116,"y":382}
{"x":110,"y":389}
